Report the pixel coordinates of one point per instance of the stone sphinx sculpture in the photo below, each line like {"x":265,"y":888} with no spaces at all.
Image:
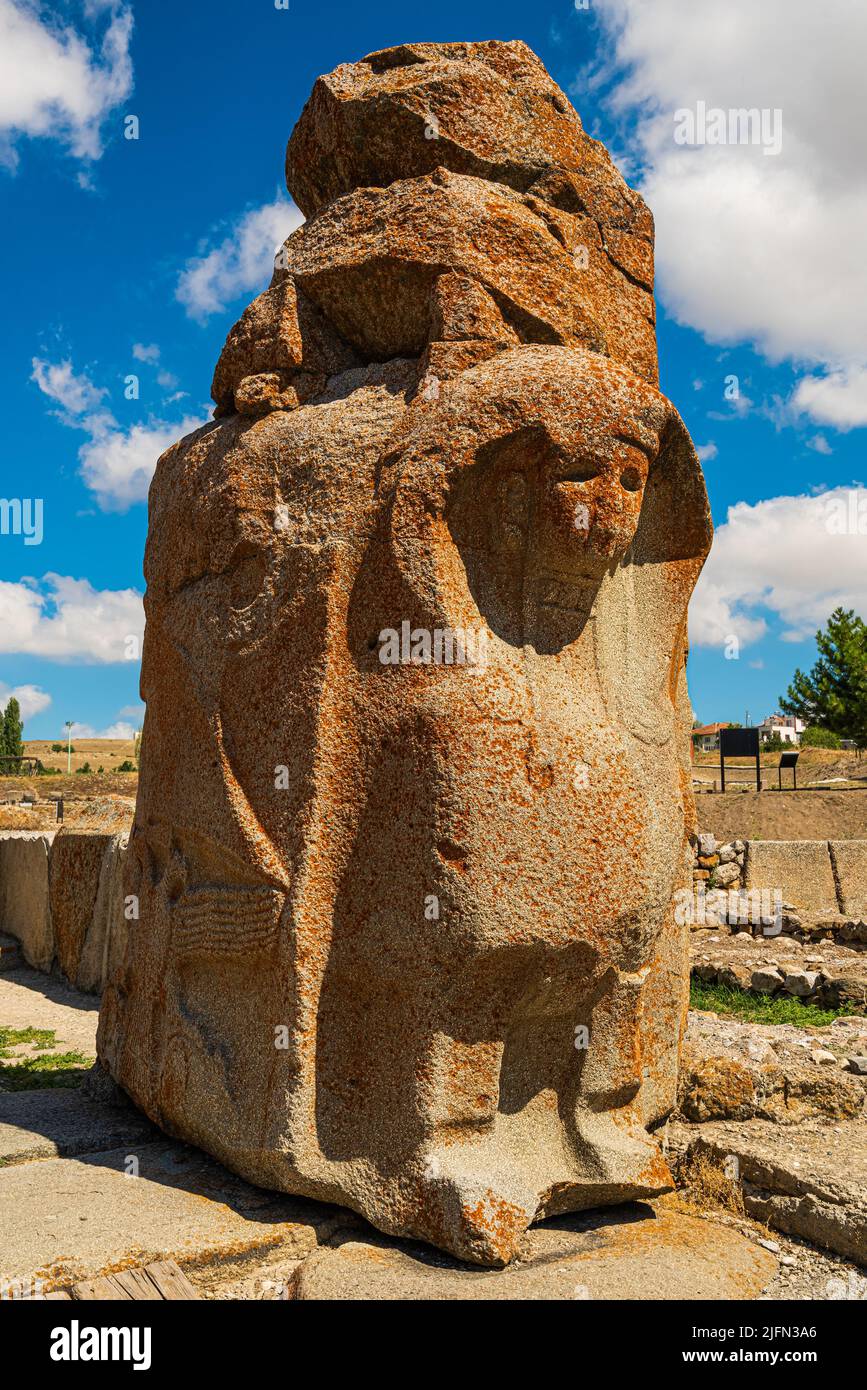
{"x":415,"y":785}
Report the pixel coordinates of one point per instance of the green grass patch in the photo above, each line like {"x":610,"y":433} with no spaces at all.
{"x":42,"y":1038}
{"x":44,"y":1072}
{"x":760,"y":1008}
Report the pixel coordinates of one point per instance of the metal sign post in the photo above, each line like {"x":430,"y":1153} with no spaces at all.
{"x":788,"y":760}
{"x":739,"y":743}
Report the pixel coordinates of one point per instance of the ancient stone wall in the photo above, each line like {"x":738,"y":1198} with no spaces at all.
{"x":61,"y":897}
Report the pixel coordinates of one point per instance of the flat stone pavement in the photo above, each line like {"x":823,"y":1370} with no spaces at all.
{"x":74,"y":1218}
{"x":640,"y":1251}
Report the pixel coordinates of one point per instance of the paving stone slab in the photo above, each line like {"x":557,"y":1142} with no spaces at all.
{"x":811,"y":1182}
{"x":77,"y":1218}
{"x":30,"y":999}
{"x":640,"y":1251}
{"x":56,"y":1124}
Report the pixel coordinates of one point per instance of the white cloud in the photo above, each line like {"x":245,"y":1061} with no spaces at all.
{"x":706,"y":452}
{"x":796,"y":558}
{"x":242,"y":262}
{"x":117,"y":464}
{"x":819,"y":444}
{"x":146,"y":352}
{"x":31,"y":698}
{"x":58,"y":81}
{"x":76,"y":394}
{"x":838,"y":399}
{"x":66,"y":619}
{"x":120,"y":729}
{"x":749,"y":247}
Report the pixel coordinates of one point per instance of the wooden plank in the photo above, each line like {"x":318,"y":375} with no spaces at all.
{"x":59,"y":1293}
{"x":98,"y":1290}
{"x":134,"y":1283}
{"x":162,"y":1280}
{"x":170,"y":1281}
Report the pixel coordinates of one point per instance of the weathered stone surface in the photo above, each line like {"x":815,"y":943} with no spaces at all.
{"x":637,"y":1253}
{"x":801,"y":982}
{"x":25,"y":910}
{"x":799,"y":869}
{"x":726,"y":874}
{"x":813,"y":1185}
{"x":766,"y":980}
{"x":87,"y":908}
{"x":485,"y":109}
{"x":371,"y":262}
{"x":460,"y":163}
{"x":735,"y":1071}
{"x":280,"y":334}
{"x":849,"y":859}
{"x":408,"y":937}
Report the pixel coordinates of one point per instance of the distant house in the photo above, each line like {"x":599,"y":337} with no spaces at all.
{"x":705,"y":738}
{"x":786,"y":725}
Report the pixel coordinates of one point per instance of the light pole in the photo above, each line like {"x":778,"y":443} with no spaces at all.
{"x":68,"y":747}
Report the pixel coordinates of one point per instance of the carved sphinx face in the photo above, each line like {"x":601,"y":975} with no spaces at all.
{"x":550,"y":501}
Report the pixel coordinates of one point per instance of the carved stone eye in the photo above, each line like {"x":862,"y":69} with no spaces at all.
{"x":630,"y":479}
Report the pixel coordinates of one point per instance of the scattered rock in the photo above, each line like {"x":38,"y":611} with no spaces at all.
{"x":766,"y":981}
{"x":815,"y":1188}
{"x":800,"y":982}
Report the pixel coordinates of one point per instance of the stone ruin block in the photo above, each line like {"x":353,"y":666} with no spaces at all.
{"x":415,"y":773}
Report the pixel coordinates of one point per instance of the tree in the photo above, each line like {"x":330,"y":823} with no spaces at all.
{"x":13,"y":728}
{"x":834,"y":695}
{"x":819,"y":738}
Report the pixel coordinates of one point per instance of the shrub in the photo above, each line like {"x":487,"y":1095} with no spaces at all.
{"x":819,"y":738}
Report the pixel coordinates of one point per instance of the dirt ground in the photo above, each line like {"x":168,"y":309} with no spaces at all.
{"x":819,"y":767}
{"x":77,"y":788}
{"x":107,"y":753}
{"x":773,"y":815}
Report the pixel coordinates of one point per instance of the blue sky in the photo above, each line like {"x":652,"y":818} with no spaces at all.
{"x":135,"y":256}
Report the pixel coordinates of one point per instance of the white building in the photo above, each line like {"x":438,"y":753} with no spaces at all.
{"x":786,"y":725}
